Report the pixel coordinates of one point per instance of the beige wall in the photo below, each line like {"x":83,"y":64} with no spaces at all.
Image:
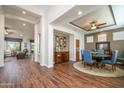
{"x":115,"y":45}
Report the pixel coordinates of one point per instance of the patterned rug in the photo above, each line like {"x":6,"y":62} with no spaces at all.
{"x":104,"y":72}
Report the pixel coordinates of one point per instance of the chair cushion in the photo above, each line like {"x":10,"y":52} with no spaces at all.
{"x":107,"y":61}
{"x":91,"y":61}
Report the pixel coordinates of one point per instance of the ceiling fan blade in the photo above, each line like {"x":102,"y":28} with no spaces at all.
{"x":93,"y":22}
{"x":101,"y":24}
{"x":86,"y":27}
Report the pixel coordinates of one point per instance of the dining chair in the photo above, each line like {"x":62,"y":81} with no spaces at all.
{"x":113,"y":60}
{"x":101,"y":51}
{"x":82,"y":56}
{"x":88,"y":58}
{"x":121,"y":59}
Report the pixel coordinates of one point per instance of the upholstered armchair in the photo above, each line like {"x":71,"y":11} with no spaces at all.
{"x":88,"y":58}
{"x":121,"y":59}
{"x":82,"y":55}
{"x":113,"y":61}
{"x":101,"y":52}
{"x":22,"y":55}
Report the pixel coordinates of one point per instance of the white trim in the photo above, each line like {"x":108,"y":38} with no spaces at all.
{"x":50,"y":66}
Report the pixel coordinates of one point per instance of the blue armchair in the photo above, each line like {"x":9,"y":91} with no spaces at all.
{"x":121,"y":59}
{"x":88,"y":58}
{"x":82,"y":55}
{"x":113,"y":60}
{"x":101,"y":52}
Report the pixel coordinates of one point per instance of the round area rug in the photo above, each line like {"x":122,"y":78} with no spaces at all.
{"x":104,"y":72}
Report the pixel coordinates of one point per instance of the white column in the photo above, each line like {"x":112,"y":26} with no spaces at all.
{"x":46,"y":49}
{"x":44,"y":42}
{"x":36,"y":43}
{"x":50,"y":46}
{"x":75,"y":37}
{"x":2,"y":20}
{"x":81,"y":43}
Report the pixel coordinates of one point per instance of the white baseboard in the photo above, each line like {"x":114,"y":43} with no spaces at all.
{"x":42,"y":64}
{"x":48,"y":66}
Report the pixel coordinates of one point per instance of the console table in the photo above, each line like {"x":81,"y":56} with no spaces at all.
{"x":61,"y":56}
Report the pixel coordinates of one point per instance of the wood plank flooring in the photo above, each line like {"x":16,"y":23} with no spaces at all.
{"x":27,"y":74}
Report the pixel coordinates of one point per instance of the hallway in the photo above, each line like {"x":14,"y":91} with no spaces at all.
{"x":25,"y":73}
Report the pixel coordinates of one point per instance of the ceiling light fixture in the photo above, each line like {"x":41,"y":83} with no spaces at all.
{"x":23,"y":12}
{"x":24,"y":24}
{"x":93,"y":26}
{"x":79,"y":12}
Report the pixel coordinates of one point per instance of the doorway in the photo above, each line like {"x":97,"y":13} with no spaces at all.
{"x":77,"y":50}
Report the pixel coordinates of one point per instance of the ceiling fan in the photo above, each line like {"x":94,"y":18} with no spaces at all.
{"x":95,"y":25}
{"x":8,"y":31}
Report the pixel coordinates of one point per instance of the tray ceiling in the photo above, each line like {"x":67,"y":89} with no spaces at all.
{"x":102,"y":17}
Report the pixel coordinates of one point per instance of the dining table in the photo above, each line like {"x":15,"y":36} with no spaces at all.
{"x":99,"y":58}
{"x":101,"y":55}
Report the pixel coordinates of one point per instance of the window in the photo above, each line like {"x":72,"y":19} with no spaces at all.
{"x":118,"y":35}
{"x":11,"y":48}
{"x":102,"y":38}
{"x":89,"y":39}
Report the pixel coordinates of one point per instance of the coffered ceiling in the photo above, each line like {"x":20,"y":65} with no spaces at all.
{"x":97,"y":19}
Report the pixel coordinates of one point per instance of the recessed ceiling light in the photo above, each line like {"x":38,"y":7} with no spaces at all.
{"x":79,"y":12}
{"x":24,"y":24}
{"x":23,"y":12}
{"x":21,"y":35}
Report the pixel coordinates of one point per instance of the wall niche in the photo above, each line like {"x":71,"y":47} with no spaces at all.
{"x":61,"y":47}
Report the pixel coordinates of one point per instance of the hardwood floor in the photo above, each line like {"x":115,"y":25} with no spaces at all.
{"x":24,"y":73}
